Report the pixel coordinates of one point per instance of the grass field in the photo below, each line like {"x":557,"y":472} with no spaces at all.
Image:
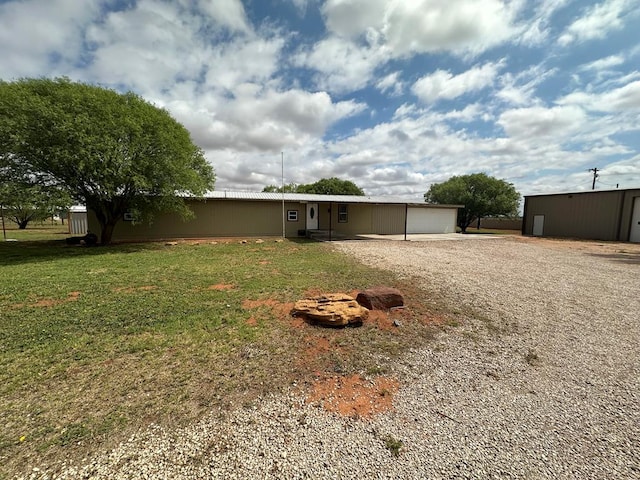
{"x":96,"y":343}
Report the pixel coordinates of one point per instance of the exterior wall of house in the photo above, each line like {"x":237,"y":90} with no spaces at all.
{"x":214,"y":218}
{"x":596,"y":215}
{"x":253,"y":218}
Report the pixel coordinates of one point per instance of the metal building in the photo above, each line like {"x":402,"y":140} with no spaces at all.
{"x":612,"y":215}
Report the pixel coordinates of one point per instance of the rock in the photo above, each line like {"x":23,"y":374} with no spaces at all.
{"x":259,"y":241}
{"x":171,"y":244}
{"x":333,"y":309}
{"x":380,"y":298}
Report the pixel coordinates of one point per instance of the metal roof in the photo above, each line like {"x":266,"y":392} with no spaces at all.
{"x":311,"y":197}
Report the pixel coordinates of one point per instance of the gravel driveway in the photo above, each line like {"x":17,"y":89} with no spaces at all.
{"x":543,"y":382}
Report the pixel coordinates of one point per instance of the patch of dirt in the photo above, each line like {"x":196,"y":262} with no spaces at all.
{"x":280,"y":309}
{"x":354,"y":396}
{"x":50,"y":302}
{"x":264,"y":262}
{"x":251,"y":321}
{"x":221,"y":286}
{"x":381,"y":320}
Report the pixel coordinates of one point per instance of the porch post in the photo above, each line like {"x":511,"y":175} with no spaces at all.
{"x":406,"y":214}
{"x":330,"y":218}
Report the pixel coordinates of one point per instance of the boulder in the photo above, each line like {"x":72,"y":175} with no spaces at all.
{"x":334,"y":309}
{"x":380,"y":298}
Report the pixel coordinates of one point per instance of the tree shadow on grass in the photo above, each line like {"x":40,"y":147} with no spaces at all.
{"x":24,"y":252}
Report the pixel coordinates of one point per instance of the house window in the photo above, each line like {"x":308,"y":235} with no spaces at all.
{"x":292,"y":215}
{"x":343,"y":213}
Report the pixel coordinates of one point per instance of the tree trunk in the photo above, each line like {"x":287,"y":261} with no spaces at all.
{"x":107,"y":232}
{"x":22,"y":225}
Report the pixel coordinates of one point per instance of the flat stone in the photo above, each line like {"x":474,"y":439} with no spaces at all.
{"x":333,"y":309}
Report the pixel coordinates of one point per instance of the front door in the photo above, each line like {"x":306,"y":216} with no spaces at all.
{"x":538,"y":225}
{"x":634,"y":234}
{"x":312,"y":216}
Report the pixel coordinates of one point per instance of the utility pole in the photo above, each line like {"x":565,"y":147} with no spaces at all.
{"x":595,"y":175}
{"x":284,"y":234}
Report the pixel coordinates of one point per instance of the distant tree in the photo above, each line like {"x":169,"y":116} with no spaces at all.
{"x":331,"y":186}
{"x":481,"y":195}
{"x":324,"y":186}
{"x":288,"y":188}
{"x":113,"y":152}
{"x":23,"y":203}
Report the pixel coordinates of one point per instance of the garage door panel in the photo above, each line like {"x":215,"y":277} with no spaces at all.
{"x":431,"y":220}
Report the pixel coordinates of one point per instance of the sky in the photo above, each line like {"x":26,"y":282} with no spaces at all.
{"x":394,"y":95}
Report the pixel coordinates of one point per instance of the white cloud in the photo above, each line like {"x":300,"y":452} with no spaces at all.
{"x":444,"y":85}
{"x":391,"y":83}
{"x":625,"y":98}
{"x":597,"y":21}
{"x":54,"y":30}
{"x":520,"y":88}
{"x":536,"y":29}
{"x":258,"y":121}
{"x":540,"y":122}
{"x":343,"y":65}
{"x":603,"y":63}
{"x":419,"y":26}
{"x":227,"y":13}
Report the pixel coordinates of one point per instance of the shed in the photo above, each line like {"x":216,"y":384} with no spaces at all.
{"x":233,"y":214}
{"x":612,"y":215}
{"x":77,"y":220}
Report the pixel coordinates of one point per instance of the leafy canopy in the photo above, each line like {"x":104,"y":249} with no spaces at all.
{"x":481,"y":195}
{"x":324,"y":186}
{"x":114,"y":152}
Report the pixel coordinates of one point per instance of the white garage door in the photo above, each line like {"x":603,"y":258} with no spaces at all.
{"x":431,"y":220}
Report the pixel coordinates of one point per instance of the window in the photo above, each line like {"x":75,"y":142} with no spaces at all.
{"x":343,"y":213}
{"x":292,"y":215}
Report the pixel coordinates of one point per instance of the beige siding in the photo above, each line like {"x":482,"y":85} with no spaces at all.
{"x":388,"y":219}
{"x":214,"y":218}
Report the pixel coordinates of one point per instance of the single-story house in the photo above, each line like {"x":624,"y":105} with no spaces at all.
{"x":596,"y":215}
{"x":233,"y":214}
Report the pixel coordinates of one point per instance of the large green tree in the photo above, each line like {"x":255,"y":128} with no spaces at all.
{"x":113,"y":152}
{"x":324,"y":186}
{"x":481,"y":195}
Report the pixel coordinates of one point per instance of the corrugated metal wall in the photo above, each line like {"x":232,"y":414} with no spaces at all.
{"x":387,"y":219}
{"x":597,"y":215}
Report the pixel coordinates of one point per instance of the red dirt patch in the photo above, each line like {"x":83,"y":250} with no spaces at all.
{"x":381,"y":320}
{"x":280,"y":309}
{"x":251,"y":321}
{"x":51,"y":302}
{"x":221,"y":286}
{"x":354,"y":396}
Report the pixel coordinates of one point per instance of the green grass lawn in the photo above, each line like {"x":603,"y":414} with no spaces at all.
{"x":98,"y":342}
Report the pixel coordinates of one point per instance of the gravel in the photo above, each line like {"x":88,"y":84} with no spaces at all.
{"x":541,"y":381}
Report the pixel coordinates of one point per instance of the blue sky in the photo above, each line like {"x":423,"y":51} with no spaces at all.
{"x":391,"y":94}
